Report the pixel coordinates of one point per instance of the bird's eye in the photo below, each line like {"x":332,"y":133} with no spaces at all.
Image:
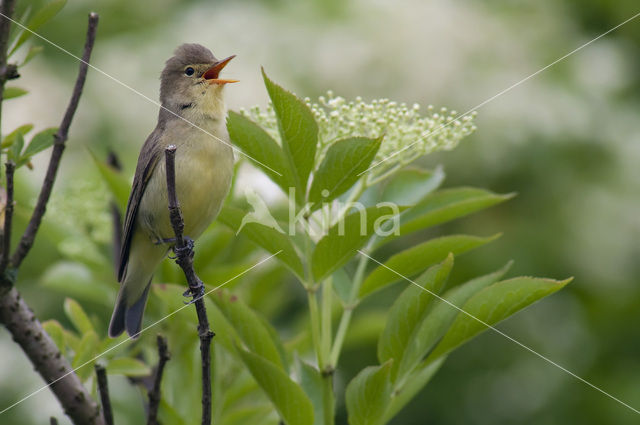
{"x":189,"y":71}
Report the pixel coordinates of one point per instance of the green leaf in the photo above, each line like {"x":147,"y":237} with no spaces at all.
{"x":342,"y":286}
{"x":408,"y":312}
{"x":312,"y":383}
{"x":413,"y":260}
{"x":56,"y":332}
{"x":298,"y":130}
{"x":170,"y":415}
{"x":446,"y":205}
{"x":16,"y":147}
{"x":13,"y":92}
{"x":127,"y":366}
{"x":70,"y":278}
{"x":39,"y":142}
{"x":117,"y":183}
{"x":350,"y":234}
{"x":340,"y":168}
{"x":33,"y":52}
{"x":493,"y":304}
{"x":10,"y":138}
{"x":289,"y":399}
{"x":368,"y":395}
{"x":250,"y":328}
{"x":418,"y":379}
{"x":84,"y":359}
{"x":410,"y":185}
{"x":261,"y":147}
{"x":77,"y":316}
{"x":267,"y":237}
{"x":40,"y":18}
{"x":431,"y":329}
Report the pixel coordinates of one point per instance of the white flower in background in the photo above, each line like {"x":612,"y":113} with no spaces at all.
{"x":404,"y":129}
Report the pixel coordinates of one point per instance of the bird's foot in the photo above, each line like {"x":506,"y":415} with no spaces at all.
{"x":187,"y":249}
{"x":196,"y":292}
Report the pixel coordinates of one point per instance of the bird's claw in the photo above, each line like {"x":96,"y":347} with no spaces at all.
{"x":187,"y":249}
{"x":196,"y":292}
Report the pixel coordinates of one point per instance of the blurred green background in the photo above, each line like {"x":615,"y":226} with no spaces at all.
{"x":567,"y":141}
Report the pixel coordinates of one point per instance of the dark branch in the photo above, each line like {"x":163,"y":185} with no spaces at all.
{"x":60,"y":138}
{"x":53,"y":421}
{"x":154,"y":394}
{"x":15,"y":314}
{"x":103,"y":389}
{"x":8,"y":216}
{"x":27,"y":331}
{"x":6,"y":71}
{"x":184,"y":258}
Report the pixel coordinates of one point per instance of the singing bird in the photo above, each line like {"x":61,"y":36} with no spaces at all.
{"x":192,"y":118}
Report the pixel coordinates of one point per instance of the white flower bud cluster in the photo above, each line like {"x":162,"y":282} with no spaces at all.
{"x":407,"y":134}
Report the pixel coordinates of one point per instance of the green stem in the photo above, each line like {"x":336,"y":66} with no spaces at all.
{"x":326,"y":318}
{"x":345,"y":320}
{"x":315,"y":326}
{"x":328,"y":399}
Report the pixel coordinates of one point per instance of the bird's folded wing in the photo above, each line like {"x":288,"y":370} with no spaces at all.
{"x":149,"y":156}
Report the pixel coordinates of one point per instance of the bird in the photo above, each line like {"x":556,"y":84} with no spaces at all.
{"x":193,"y":118}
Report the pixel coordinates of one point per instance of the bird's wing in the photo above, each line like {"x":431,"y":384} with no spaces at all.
{"x":147,"y":161}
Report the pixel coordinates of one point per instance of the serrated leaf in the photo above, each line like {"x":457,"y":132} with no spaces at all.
{"x":312,"y":383}
{"x":298,"y":131}
{"x":289,"y":399}
{"x":418,"y":379}
{"x":431,"y":329}
{"x":56,"y":332}
{"x":127,"y":366}
{"x":10,"y":138}
{"x":493,"y":304}
{"x":267,"y":237}
{"x":118,"y":184}
{"x":413,"y":260}
{"x":261,"y":147}
{"x":350,"y":234}
{"x":446,"y":205}
{"x":340,"y":168}
{"x":84,"y":358}
{"x":408,"y":312}
{"x":409,"y":185}
{"x":77,"y":316}
{"x":41,"y":17}
{"x":13,"y":92}
{"x":38,"y":143}
{"x":249,"y":327}
{"x":368,"y":395}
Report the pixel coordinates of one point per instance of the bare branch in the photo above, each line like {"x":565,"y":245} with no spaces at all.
{"x":103,"y":389}
{"x":26,"y":242}
{"x":154,"y":394}
{"x":27,"y":331}
{"x":8,"y":217}
{"x":53,"y":421}
{"x":6,"y":8}
{"x":184,"y":258}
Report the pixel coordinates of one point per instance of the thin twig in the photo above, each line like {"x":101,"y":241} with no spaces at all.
{"x":8,"y":217}
{"x":53,"y":421}
{"x":15,"y":314}
{"x":103,"y":389}
{"x":7,"y":8}
{"x":26,"y":242}
{"x":154,"y":394}
{"x":184,"y":258}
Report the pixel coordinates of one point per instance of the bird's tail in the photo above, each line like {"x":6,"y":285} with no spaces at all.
{"x":128,"y":317}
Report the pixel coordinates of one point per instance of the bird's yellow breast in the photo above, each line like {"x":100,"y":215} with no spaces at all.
{"x":204,"y":167}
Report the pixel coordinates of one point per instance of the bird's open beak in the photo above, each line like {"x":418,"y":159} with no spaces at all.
{"x":211,"y":74}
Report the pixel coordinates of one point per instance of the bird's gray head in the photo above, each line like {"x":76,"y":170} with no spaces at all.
{"x":189,"y":84}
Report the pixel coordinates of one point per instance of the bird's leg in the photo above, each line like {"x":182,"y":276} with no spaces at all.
{"x":187,"y":249}
{"x":196,"y":292}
